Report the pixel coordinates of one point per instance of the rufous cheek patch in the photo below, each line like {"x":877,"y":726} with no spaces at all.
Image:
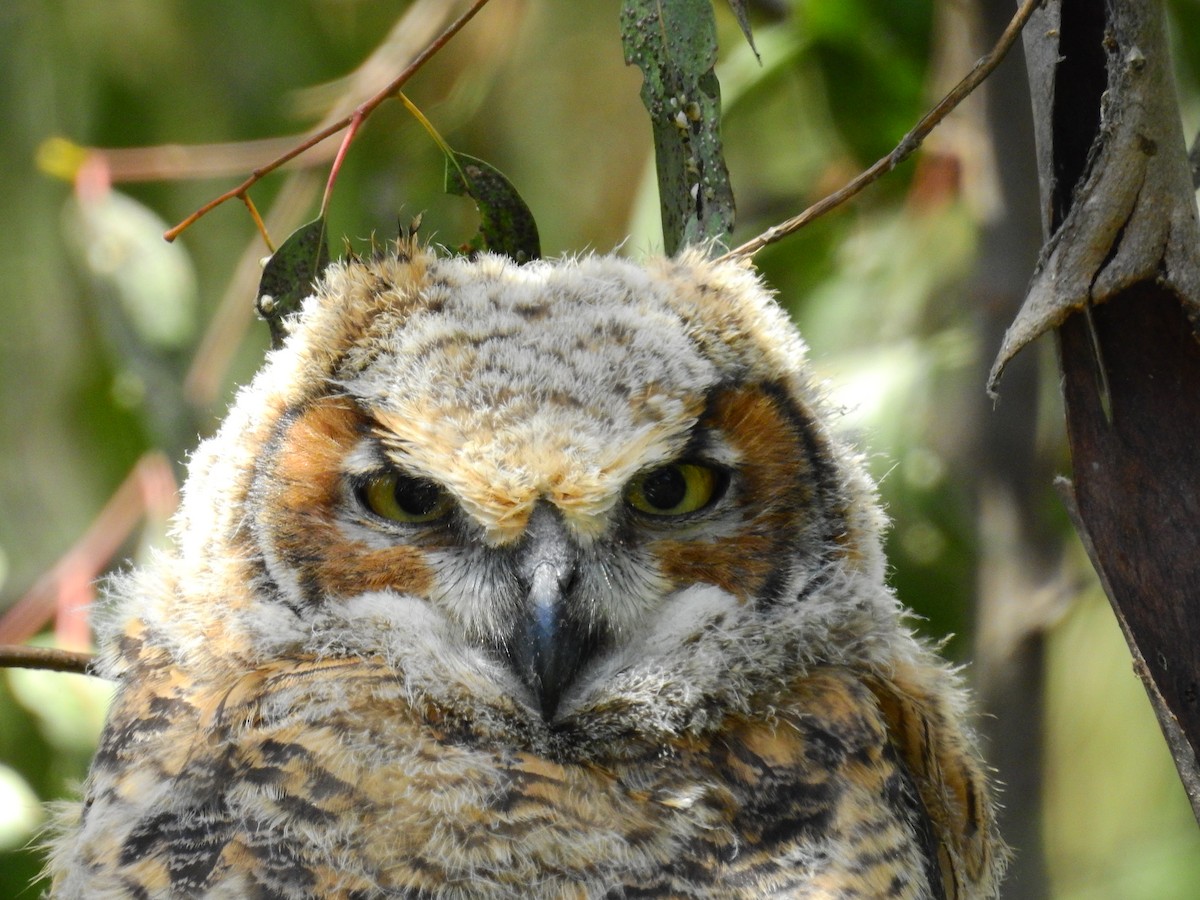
{"x":772,"y":490}
{"x":307,"y":480}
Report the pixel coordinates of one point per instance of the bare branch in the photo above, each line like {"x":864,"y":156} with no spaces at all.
{"x":908,"y":144}
{"x":361,"y":112}
{"x":167,"y":162}
{"x":20,"y":656}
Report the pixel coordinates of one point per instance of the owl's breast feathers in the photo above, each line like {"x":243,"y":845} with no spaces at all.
{"x":326,"y":778}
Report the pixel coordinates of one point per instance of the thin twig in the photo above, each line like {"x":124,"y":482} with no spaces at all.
{"x":356,"y":121}
{"x":209,"y":369}
{"x":362,"y":111}
{"x":258,"y":222}
{"x":907,"y":146}
{"x":421,"y":23}
{"x":22,"y":656}
{"x":61,"y":158}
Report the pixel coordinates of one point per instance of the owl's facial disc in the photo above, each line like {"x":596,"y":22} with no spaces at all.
{"x":545,"y":458}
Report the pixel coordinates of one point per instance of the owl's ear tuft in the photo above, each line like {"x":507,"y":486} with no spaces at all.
{"x":407,"y":244}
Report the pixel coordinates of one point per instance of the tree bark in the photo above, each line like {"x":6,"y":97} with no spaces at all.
{"x":1120,"y":282}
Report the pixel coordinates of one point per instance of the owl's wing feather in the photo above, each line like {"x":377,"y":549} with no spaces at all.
{"x":931,"y":741}
{"x":820,"y":805}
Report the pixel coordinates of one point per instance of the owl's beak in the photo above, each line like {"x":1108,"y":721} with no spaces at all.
{"x":549,"y":644}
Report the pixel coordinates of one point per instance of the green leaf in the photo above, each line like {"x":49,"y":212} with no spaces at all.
{"x":674,"y":43}
{"x":743,"y":20}
{"x":506,"y":225}
{"x":290,"y":274}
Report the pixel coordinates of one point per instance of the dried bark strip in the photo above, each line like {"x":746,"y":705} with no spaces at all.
{"x":1120,"y":279}
{"x":1116,"y":185}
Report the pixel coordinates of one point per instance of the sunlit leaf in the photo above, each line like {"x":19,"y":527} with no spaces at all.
{"x":60,"y":158}
{"x":20,"y":811}
{"x":506,"y":225}
{"x":289,"y":275}
{"x":121,"y":247}
{"x":69,"y":709}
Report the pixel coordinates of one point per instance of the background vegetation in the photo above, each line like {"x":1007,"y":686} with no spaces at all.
{"x":114,"y":344}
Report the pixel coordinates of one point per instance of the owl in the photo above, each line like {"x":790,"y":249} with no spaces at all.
{"x":528,"y":581}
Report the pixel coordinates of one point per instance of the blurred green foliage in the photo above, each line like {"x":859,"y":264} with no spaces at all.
{"x":101,"y":323}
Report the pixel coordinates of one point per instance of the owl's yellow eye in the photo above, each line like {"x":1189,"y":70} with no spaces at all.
{"x":403,"y":498}
{"x":674,"y":490}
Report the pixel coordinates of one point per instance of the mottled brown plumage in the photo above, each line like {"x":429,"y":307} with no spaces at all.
{"x":537,"y":581}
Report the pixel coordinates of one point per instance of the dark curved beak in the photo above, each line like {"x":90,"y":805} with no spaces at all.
{"x":549,"y":643}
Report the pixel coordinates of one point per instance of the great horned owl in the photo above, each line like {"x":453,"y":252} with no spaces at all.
{"x":547,"y":580}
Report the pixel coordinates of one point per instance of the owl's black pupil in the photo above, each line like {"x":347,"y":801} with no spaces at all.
{"x":416,"y":496}
{"x":665,"y":489}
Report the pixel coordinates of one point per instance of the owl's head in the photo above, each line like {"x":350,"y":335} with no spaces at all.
{"x":581,"y":488}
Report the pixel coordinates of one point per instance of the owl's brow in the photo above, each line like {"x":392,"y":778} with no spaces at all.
{"x":392,"y":448}
{"x":705,"y":438}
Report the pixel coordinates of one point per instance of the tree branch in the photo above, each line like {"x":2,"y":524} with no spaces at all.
{"x":1119,"y":279}
{"x":361,"y":112}
{"x":20,"y":656}
{"x":907,"y":146}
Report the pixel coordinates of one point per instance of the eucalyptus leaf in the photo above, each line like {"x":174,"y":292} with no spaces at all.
{"x":743,"y":20}
{"x":674,"y":43}
{"x":119,"y":242}
{"x":290,"y":274}
{"x":506,"y":225}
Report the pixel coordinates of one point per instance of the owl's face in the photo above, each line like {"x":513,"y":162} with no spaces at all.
{"x":582,"y":486}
